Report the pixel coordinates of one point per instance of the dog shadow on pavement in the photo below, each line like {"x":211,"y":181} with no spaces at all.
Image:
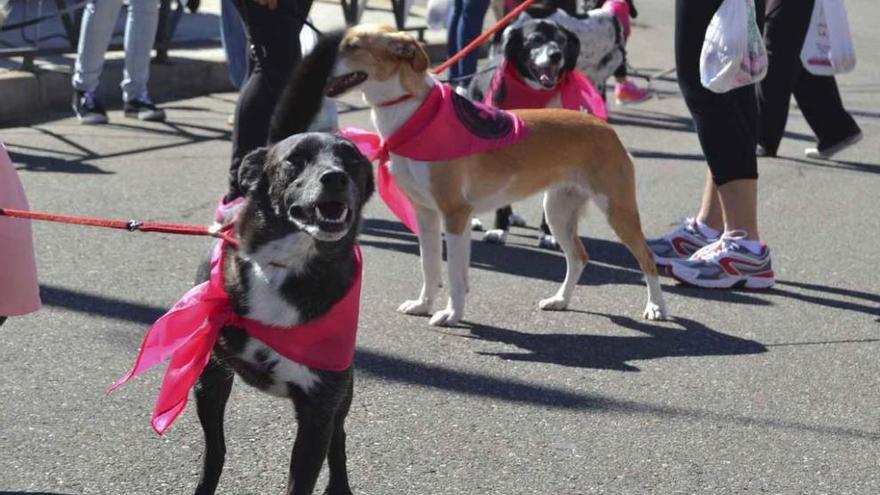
{"x":582,"y":350}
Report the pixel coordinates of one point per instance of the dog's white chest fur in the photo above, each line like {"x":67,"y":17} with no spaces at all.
{"x":271,"y":263}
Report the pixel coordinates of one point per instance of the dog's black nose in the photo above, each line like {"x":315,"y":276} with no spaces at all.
{"x":555,"y":57}
{"x":334,"y":179}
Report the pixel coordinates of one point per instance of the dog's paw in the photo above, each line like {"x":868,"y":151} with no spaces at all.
{"x":555,"y":303}
{"x":654,"y":312}
{"x":548,"y":242}
{"x":418,"y":307}
{"x":517,"y":220}
{"x":495,"y":236}
{"x":476,"y":224}
{"x":445,"y":318}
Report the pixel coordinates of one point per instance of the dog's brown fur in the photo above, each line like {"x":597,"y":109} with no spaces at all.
{"x":571,"y":155}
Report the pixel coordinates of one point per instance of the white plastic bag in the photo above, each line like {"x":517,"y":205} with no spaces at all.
{"x":828,"y":47}
{"x":733,"y":52}
{"x":438,"y":14}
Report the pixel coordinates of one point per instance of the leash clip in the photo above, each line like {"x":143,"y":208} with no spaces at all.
{"x":133,"y":225}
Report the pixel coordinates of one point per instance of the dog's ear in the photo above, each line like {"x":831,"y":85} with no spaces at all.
{"x":251,"y":169}
{"x":513,"y":42}
{"x":572,"y":49}
{"x":408,"y":48}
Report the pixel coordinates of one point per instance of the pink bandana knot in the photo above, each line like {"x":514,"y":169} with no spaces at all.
{"x":575,"y":91}
{"x":188,"y":332}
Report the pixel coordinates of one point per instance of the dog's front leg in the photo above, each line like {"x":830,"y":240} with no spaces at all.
{"x":212,"y":392}
{"x":336,"y":457}
{"x":431,"y":251}
{"x":458,"y":252}
{"x":314,"y":430}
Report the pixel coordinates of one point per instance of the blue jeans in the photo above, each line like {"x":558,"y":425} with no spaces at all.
{"x":98,"y":22}
{"x":465,"y":24}
{"x":234,"y":42}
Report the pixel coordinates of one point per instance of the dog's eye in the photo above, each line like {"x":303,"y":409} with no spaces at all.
{"x":534,"y":39}
{"x":294,"y":165}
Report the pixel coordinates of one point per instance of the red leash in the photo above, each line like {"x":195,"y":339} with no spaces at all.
{"x":130,"y":225}
{"x":504,"y":21}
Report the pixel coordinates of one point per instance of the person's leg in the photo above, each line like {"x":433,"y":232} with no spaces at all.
{"x":98,"y":21}
{"x":452,"y":46}
{"x":469,"y":27}
{"x":275,"y":50}
{"x":234,"y":42}
{"x":785,"y":28}
{"x":819,"y":101}
{"x":140,"y":33}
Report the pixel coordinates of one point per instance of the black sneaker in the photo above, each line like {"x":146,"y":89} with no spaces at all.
{"x":88,"y":109}
{"x":144,"y":109}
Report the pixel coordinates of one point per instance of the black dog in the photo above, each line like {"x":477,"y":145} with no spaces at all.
{"x":540,"y":51}
{"x":297,"y":231}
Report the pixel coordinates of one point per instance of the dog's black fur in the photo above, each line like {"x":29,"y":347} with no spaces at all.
{"x":523,"y":45}
{"x":286,"y":186}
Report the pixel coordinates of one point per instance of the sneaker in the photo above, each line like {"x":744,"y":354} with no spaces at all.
{"x":826,"y":153}
{"x":679,"y":244}
{"x":762,"y":152}
{"x":725,"y":264}
{"x":626,"y":93}
{"x":88,"y":109}
{"x":142,"y":108}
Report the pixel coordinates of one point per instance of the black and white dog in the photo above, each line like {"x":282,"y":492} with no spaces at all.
{"x":540,"y":52}
{"x":297,"y":231}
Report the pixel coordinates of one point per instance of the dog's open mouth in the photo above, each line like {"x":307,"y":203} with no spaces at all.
{"x":547,"y":76}
{"x":343,"y":83}
{"x":326,"y":220}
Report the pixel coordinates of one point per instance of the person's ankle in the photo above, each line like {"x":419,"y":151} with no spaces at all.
{"x":708,"y":231}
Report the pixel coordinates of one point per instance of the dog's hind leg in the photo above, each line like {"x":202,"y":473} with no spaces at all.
{"x":431,"y":257}
{"x":624,"y":219}
{"x":563,"y":206}
{"x":336,"y":458}
{"x":212,"y":392}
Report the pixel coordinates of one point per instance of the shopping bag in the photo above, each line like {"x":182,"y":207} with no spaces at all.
{"x":438,"y":14}
{"x":828,"y":47}
{"x":733,"y":53}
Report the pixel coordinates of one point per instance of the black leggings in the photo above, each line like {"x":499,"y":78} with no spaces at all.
{"x":785,"y":28}
{"x":273,"y":51}
{"x":726,"y":123}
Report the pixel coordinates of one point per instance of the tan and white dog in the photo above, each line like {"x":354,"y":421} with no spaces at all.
{"x":570,"y":155}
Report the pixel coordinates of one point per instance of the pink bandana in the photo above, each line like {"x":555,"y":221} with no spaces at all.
{"x":575,"y":91}
{"x":619,"y":9}
{"x":188,"y":331}
{"x":444,"y":127}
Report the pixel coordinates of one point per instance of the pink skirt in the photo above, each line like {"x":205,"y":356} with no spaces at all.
{"x":19,"y":291}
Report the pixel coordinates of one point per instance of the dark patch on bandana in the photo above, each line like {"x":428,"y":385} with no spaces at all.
{"x":482,"y":120}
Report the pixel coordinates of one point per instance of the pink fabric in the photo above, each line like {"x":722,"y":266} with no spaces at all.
{"x":575,"y":91}
{"x":225,"y":211}
{"x":444,"y":127}
{"x":188,"y":331}
{"x":19,"y":290}
{"x":619,"y":9}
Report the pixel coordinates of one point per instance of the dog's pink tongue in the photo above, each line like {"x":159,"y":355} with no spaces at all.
{"x":544,"y":78}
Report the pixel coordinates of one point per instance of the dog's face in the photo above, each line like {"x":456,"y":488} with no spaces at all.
{"x":541,"y":51}
{"x":376,"y":54}
{"x":315,"y":182}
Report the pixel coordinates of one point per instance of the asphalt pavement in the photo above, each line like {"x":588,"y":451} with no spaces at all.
{"x":741,"y":392}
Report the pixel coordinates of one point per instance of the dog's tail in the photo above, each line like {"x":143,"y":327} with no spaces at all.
{"x":4,"y":11}
{"x":302,"y":97}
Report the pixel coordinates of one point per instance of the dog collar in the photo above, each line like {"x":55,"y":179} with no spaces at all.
{"x":395,"y":101}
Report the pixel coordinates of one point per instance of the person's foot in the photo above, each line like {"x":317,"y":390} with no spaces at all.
{"x":826,"y":153}
{"x":88,"y":109}
{"x":762,"y":152}
{"x":726,"y":263}
{"x":142,"y":108}
{"x":680,"y":244}
{"x":627,"y":93}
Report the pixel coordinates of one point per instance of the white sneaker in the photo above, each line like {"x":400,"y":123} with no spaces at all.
{"x":832,"y":150}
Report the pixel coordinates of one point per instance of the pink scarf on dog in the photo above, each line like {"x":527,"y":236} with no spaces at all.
{"x":575,"y":91}
{"x":188,"y":331}
{"x":444,"y":127}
